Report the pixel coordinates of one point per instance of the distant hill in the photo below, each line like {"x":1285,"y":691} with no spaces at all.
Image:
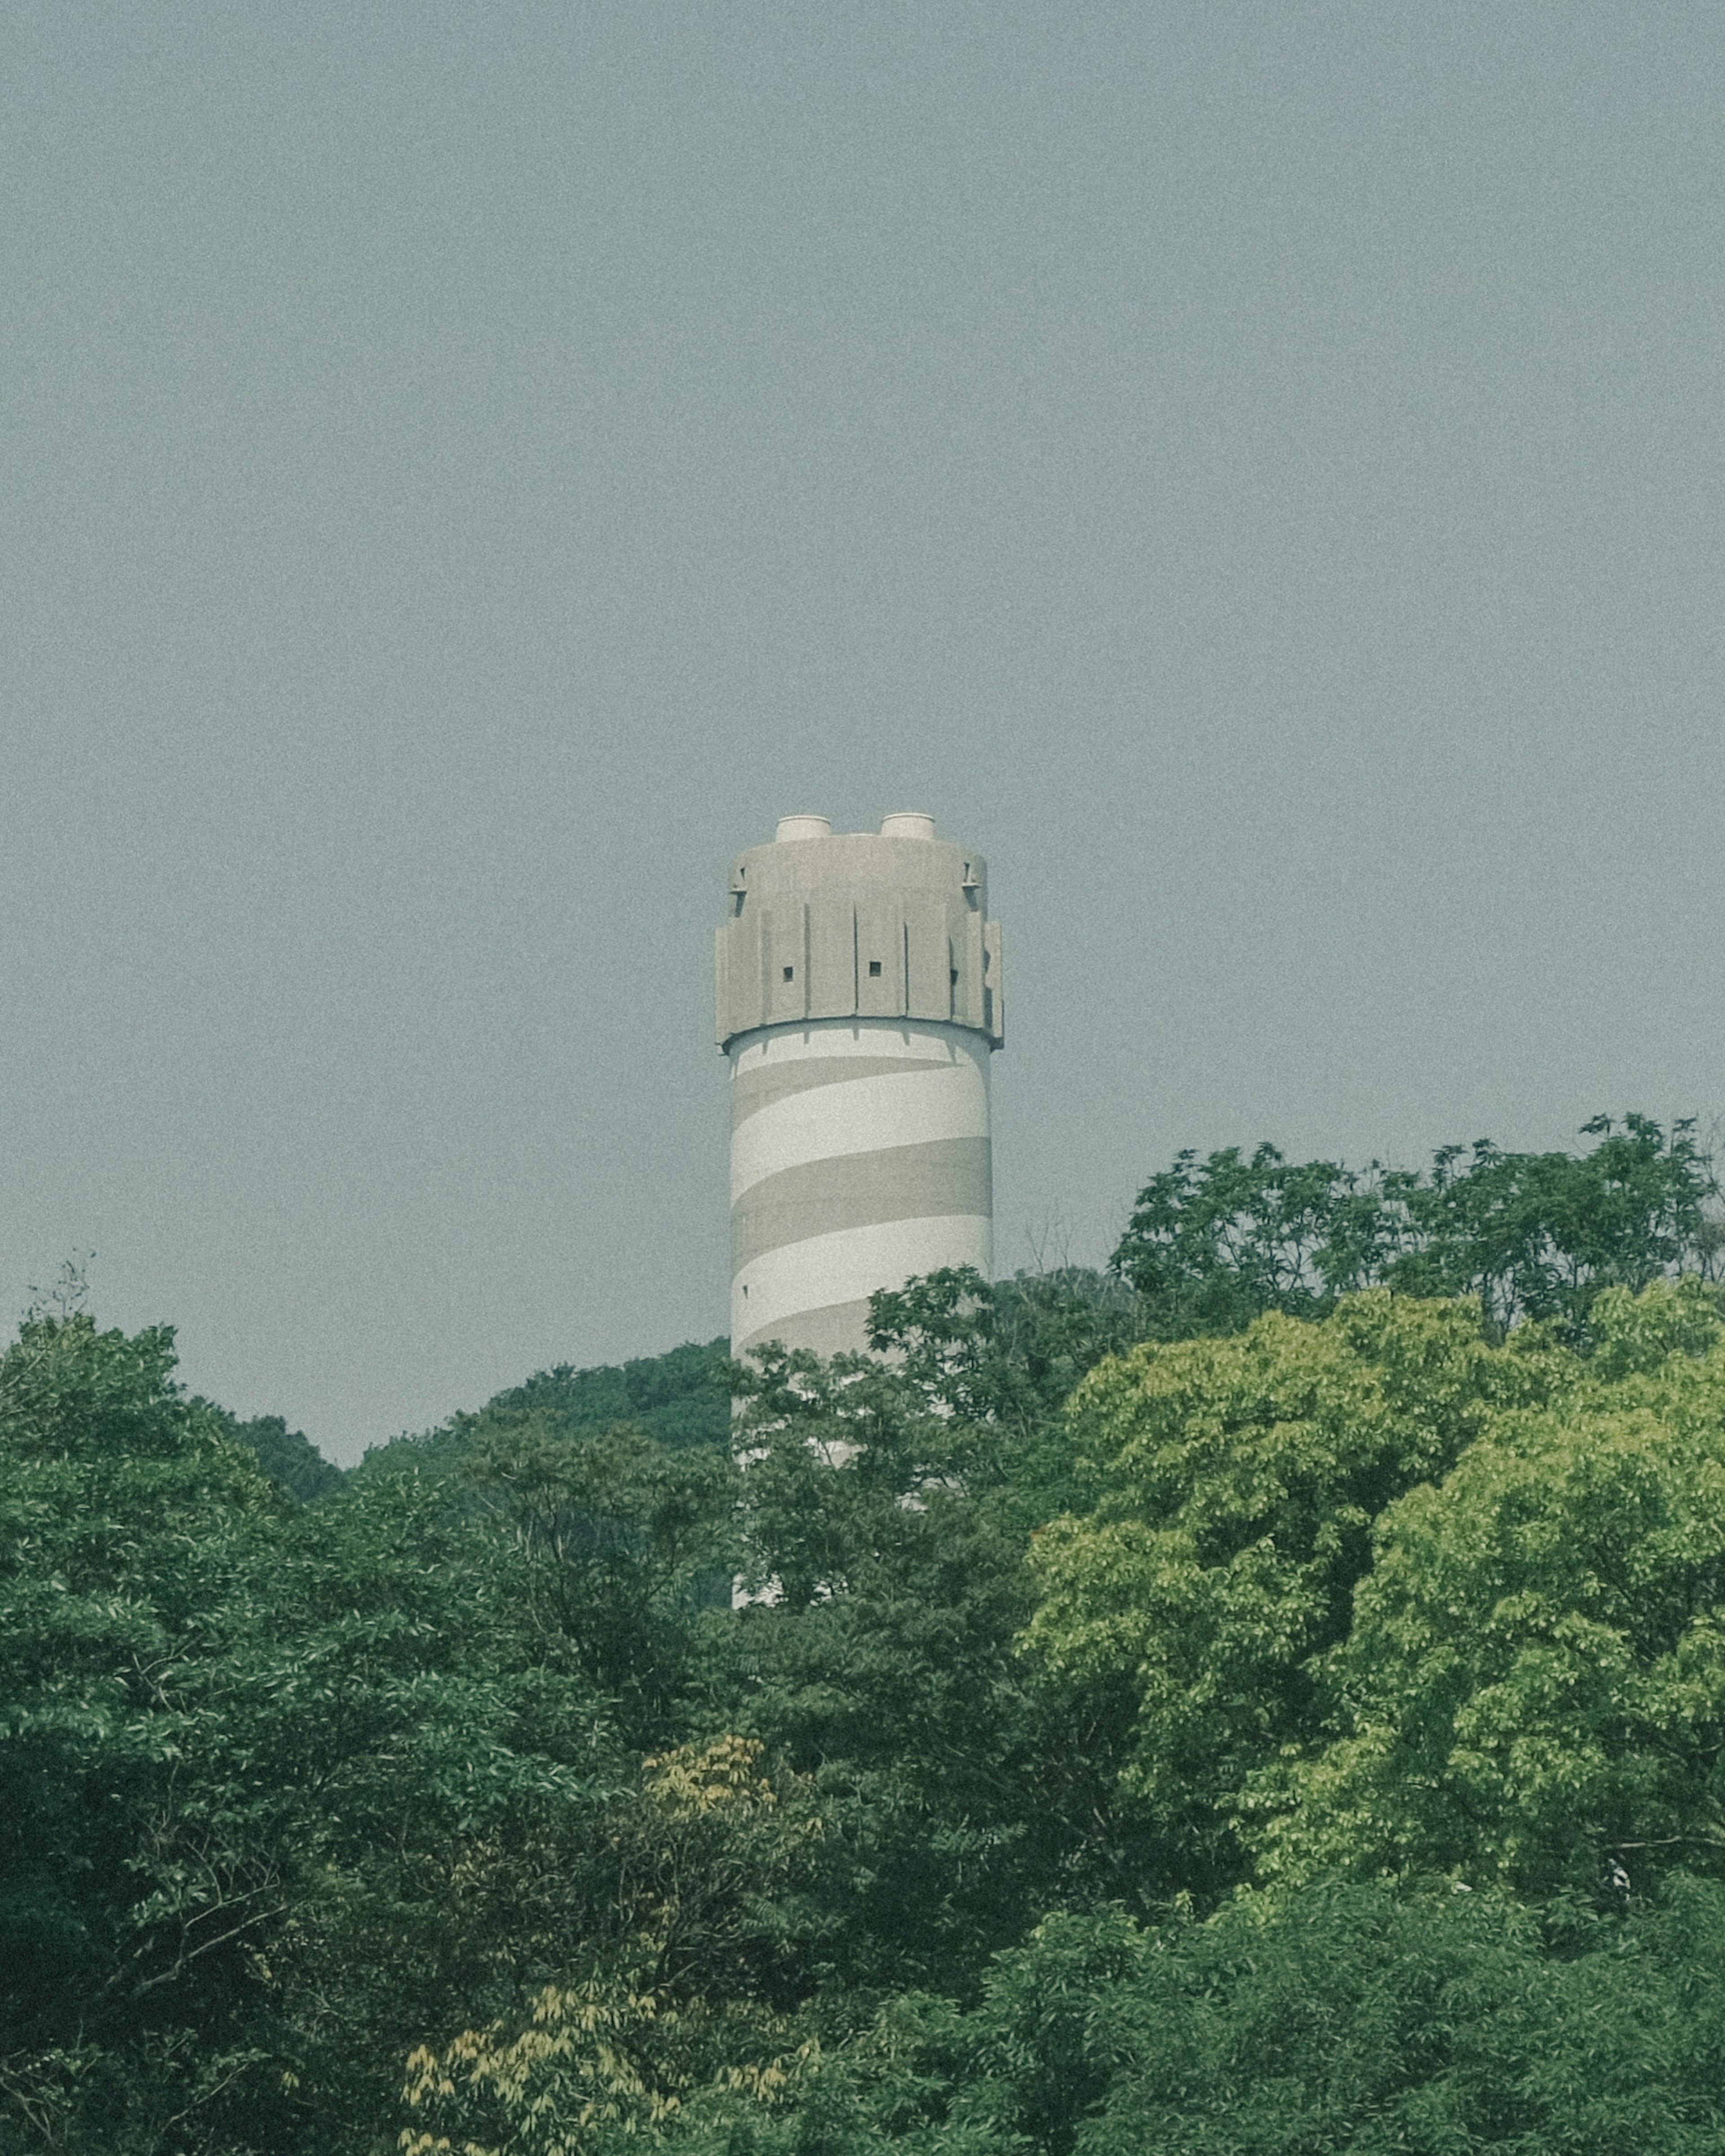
{"x":287,"y":1455}
{"x":679,"y":1397}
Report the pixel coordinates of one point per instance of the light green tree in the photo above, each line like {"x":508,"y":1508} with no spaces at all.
{"x":1240,"y":1480}
{"x":1533,"y":1686}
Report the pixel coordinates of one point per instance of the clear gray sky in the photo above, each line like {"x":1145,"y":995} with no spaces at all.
{"x":465,"y":471}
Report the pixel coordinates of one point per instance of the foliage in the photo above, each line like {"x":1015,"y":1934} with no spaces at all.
{"x":678,"y":1398}
{"x":1213,"y":1245}
{"x":1303,"y":1734}
{"x":287,"y":1457}
{"x":1534,"y":1687}
{"x":1353,"y":2018}
{"x":1004,"y":1351}
{"x":879,"y":1654}
{"x":705,"y":1859}
{"x":1239,"y":1479}
{"x":246,"y":1753}
{"x":620,"y":1536}
{"x":110,"y":1485}
{"x":1366,"y":2019}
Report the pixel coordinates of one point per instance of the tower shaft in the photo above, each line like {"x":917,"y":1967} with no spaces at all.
{"x":859,"y":997}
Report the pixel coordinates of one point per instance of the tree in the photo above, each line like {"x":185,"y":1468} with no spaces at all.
{"x":994,"y":1363}
{"x":622,"y":1539}
{"x":1239,"y":1480}
{"x":1211,"y":1245}
{"x":108,"y":1481}
{"x":288,"y":1456}
{"x":1361,"y":2019}
{"x":1346,"y":2019}
{"x":1533,"y":1686}
{"x":1007,"y":1816}
{"x":256,"y":1762}
{"x":880,"y":1659}
{"x":705,"y":1859}
{"x":678,"y":1398}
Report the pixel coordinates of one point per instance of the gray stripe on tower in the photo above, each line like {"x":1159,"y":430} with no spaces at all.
{"x":835,"y":1330}
{"x":860,"y":999}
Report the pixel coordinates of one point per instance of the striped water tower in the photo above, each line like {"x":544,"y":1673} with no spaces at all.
{"x":859,"y":1000}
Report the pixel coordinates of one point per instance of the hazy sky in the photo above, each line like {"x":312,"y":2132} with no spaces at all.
{"x":465,"y":471}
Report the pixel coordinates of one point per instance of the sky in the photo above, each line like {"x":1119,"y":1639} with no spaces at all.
{"x":465,"y":471}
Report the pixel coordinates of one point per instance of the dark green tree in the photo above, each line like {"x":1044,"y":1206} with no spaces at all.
{"x":258,"y":1763}
{"x":623,"y":1541}
{"x":1213,"y":1243}
{"x":287,"y":1457}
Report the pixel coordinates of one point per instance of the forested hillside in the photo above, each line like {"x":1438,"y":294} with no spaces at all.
{"x":1267,"y":1695}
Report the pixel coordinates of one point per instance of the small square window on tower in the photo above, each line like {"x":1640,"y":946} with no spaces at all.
{"x":874,"y":969}
{"x":790,"y":973}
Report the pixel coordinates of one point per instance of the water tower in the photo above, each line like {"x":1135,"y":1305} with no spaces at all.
{"x":860,"y":999}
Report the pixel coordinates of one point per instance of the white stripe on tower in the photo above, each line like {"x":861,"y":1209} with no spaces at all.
{"x":840,"y":1271}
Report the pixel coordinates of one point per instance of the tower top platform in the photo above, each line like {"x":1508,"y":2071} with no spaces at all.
{"x":882,"y":925}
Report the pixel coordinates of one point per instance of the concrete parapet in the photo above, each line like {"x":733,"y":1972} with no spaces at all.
{"x":862,"y":926}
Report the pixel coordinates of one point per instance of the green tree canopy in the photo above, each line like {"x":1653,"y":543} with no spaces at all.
{"x":287,"y":1457}
{"x":1533,"y":1686}
{"x":1239,"y":1481}
{"x":1305,"y":1734}
{"x":1212,"y":1244}
{"x":256,"y":1762}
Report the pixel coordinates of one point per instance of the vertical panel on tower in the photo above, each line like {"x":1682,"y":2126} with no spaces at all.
{"x":879,"y":956}
{"x":740,"y":1001}
{"x":968,"y":990}
{"x":832,"y":955}
{"x":722,"y":1027}
{"x":928,"y":989}
{"x":784,"y":946}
